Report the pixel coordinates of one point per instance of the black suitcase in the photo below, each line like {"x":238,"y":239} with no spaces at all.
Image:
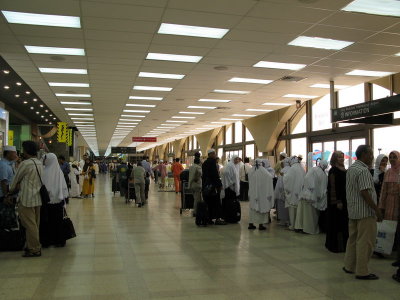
{"x":12,"y":240}
{"x":233,"y":211}
{"x":202,"y":216}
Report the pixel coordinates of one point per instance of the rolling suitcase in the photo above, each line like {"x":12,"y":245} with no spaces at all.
{"x":233,"y":211}
{"x":202,"y":216}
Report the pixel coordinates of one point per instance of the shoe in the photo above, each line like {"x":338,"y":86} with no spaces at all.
{"x":347,"y":271}
{"x":262,"y":227}
{"x":396,"y":263}
{"x":32,"y":254}
{"x":251,"y":227}
{"x":368,"y":277}
{"x":220,"y":222}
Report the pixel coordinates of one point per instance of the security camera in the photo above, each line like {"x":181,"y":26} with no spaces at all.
{"x":298,"y":103}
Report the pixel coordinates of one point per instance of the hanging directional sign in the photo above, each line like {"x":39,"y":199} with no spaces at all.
{"x":144,"y":139}
{"x":62,"y":128}
{"x":123,"y":150}
{"x":69,"y":137}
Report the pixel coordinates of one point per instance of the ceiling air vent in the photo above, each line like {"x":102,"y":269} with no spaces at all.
{"x":292,"y":78}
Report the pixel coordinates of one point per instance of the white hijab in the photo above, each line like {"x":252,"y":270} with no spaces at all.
{"x":231,"y":177}
{"x":53,"y":179}
{"x":261,"y":189}
{"x":293,"y":181}
{"x":377,"y":170}
{"x":315,"y":186}
{"x":267,"y":165}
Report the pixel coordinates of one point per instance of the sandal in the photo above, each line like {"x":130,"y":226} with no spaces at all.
{"x":32,"y":254}
{"x":347,"y":271}
{"x":368,"y":277}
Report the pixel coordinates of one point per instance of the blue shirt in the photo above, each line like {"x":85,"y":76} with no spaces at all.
{"x":65,"y":168}
{"x":6,"y":173}
{"x":147,"y":167}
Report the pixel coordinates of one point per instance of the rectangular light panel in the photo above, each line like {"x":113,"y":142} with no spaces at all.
{"x":69,"y":84}
{"x":41,"y":19}
{"x":55,"y":50}
{"x":137,"y":111}
{"x":140,"y":105}
{"x":178,"y":117}
{"x":79,"y":109}
{"x":328,"y":86}
{"x":276,"y":104}
{"x":161,"y":75}
{"x":215,"y":100}
{"x":374,"y":7}
{"x":368,"y":73}
{"x":73,"y":95}
{"x":75,"y":103}
{"x":191,"y":112}
{"x":133,"y":116}
{"x":232,"y":92}
{"x":259,"y":109}
{"x":250,"y":80}
{"x":202,"y":107}
{"x":145,"y":98}
{"x":196,"y":31}
{"x":278,"y":65}
{"x":319,"y":43}
{"x":63,"y":71}
{"x":243,"y":115}
{"x":300,"y":96}
{"x":174,"y":57}
{"x":152,"y":88}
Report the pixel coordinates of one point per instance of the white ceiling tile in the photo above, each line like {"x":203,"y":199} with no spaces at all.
{"x":389,"y":39}
{"x":271,"y":25}
{"x":234,"y":7}
{"x":111,"y":24}
{"x":338,"y":33}
{"x":119,"y":36}
{"x":374,"y":49}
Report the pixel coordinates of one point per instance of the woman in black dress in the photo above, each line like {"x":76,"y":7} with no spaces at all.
{"x":337,"y":231}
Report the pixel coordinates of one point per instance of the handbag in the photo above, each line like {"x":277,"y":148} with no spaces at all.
{"x":8,"y":216}
{"x":44,"y":194}
{"x":67,"y":226}
{"x":386,"y":231}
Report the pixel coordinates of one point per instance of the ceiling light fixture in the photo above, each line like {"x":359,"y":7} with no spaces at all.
{"x":319,"y":43}
{"x":69,"y":84}
{"x":55,"y":50}
{"x":202,"y":107}
{"x":258,"y":109}
{"x":145,"y":98}
{"x":191,"y":112}
{"x":73,"y":95}
{"x":137,"y":111}
{"x":89,"y":119}
{"x":41,"y":19}
{"x":174,"y":57}
{"x":231,"y":119}
{"x":173,"y":121}
{"x":6,"y":87}
{"x":373,"y":7}
{"x":196,"y":31}
{"x":250,"y":80}
{"x":74,"y":103}
{"x":243,"y":115}
{"x":19,"y":83}
{"x":276,"y":104}
{"x":232,"y":92}
{"x":300,"y":96}
{"x":63,"y":71}
{"x":140,"y":105}
{"x":215,"y":100}
{"x":178,"y":117}
{"x":74,"y":114}
{"x":133,"y":120}
{"x":368,"y":73}
{"x":133,"y":116}
{"x":152,"y":88}
{"x":79,"y":109}
{"x":161,"y":75}
{"x":327,"y":86}
{"x":278,"y":65}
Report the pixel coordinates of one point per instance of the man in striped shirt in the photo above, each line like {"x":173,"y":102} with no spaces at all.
{"x":27,"y":182}
{"x":363,"y":213}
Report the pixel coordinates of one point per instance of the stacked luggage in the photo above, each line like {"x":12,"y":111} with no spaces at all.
{"x":12,"y":236}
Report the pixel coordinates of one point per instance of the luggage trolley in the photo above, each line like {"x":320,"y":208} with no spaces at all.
{"x":131,"y":192}
{"x":187,"y":199}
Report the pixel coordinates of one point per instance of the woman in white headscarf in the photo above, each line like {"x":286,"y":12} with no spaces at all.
{"x":281,"y":209}
{"x":379,"y":172}
{"x":313,"y":199}
{"x":267,"y":165}
{"x":75,"y":190}
{"x":231,"y":185}
{"x":52,"y":214}
{"x":261,"y":195}
{"x":293,"y":182}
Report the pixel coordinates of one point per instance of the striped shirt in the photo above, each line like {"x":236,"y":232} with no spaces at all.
{"x":27,"y":177}
{"x":359,"y":178}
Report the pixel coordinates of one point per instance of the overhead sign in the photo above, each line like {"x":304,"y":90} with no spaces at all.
{"x":62,"y":131}
{"x":368,"y":111}
{"x":144,"y":139}
{"x":123,"y":150}
{"x":69,"y":137}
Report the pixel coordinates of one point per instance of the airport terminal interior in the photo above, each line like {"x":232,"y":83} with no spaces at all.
{"x":165,"y":87}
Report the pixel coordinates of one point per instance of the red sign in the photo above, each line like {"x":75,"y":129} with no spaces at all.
{"x":144,"y":139}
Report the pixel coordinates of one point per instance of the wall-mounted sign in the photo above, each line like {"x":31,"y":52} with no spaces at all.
{"x":144,"y":139}
{"x":69,"y":137}
{"x":62,"y":131}
{"x":123,"y":150}
{"x":372,"y":112}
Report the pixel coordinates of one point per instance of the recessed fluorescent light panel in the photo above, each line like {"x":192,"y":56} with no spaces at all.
{"x":55,"y":50}
{"x":191,"y":113}
{"x":79,"y":109}
{"x":90,"y":119}
{"x":276,"y":104}
{"x":152,"y":88}
{"x":215,"y":100}
{"x":278,"y":65}
{"x":173,"y":121}
{"x":131,"y":120}
{"x":196,"y":31}
{"x":63,"y":71}
{"x":178,"y":117}
{"x":368,"y":73}
{"x":320,"y":43}
{"x":242,"y":115}
{"x":249,"y":80}
{"x":202,"y":107}
{"x":133,"y":116}
{"x":69,"y":84}
{"x":75,"y":103}
{"x":258,"y":109}
{"x":374,"y":7}
{"x":41,"y":19}
{"x":74,"y":114}
{"x":137,"y":111}
{"x":174,"y":57}
{"x":300,"y":96}
{"x":161,"y":75}
{"x":231,"y":119}
{"x":145,"y":98}
{"x":140,"y":105}
{"x":73,"y":95}
{"x":231,"y":92}
{"x":327,"y":86}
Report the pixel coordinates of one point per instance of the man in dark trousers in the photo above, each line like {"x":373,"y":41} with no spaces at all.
{"x":212,"y":188}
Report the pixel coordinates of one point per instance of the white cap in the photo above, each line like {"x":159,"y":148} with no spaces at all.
{"x":283,"y":154}
{"x":10,"y":148}
{"x":211,"y":151}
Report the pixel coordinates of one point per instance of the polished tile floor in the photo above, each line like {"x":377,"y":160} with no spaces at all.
{"x":125,"y":252}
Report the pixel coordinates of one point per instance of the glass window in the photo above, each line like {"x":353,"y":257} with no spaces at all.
{"x":344,"y":147}
{"x":260,"y":154}
{"x":250,"y":151}
{"x":385,"y":141}
{"x":328,"y":148}
{"x":379,"y":92}
{"x":354,"y":144}
{"x":195,"y":142}
{"x":220,"y":153}
{"x":238,"y":132}
{"x":321,"y":114}
{"x":190,"y":143}
{"x":352,"y":95}
{"x":249,"y":136}
{"x":301,"y":126}
{"x":317,"y":152}
{"x":299,"y":147}
{"x":228,"y":134}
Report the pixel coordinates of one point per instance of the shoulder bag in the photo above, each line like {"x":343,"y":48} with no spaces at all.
{"x":44,"y":194}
